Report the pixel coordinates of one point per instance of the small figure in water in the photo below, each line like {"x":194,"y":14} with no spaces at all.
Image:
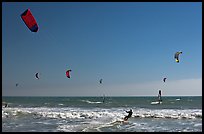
{"x":129,"y":115}
{"x":103,"y":98}
{"x":6,"y":105}
{"x":159,"y":97}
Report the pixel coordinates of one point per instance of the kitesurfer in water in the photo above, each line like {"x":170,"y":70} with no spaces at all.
{"x":5,"y":104}
{"x":129,"y":115}
{"x":159,"y":97}
{"x":103,"y":98}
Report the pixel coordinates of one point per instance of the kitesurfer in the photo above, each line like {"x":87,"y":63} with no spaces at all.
{"x":129,"y":115}
{"x":5,"y":104}
{"x":103,"y":98}
{"x":159,"y":97}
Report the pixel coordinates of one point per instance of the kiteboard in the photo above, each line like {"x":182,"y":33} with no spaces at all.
{"x":119,"y":122}
{"x":155,"y":102}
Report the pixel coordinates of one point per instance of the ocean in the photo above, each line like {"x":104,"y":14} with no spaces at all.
{"x":90,"y":114}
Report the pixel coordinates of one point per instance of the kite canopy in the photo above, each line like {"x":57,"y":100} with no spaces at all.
{"x":176,"y":56}
{"x":68,"y":73}
{"x":164,"y":79}
{"x":101,"y":81}
{"x":29,"y":20}
{"x":37,"y":76}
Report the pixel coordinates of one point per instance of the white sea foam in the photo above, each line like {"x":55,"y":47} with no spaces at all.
{"x":80,"y":113}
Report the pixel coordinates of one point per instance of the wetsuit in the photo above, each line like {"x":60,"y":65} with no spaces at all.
{"x":129,"y":115}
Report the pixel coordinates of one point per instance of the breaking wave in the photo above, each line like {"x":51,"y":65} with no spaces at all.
{"x":79,"y":113}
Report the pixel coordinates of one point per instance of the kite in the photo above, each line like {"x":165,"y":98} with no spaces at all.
{"x":68,"y":73}
{"x":176,"y":56}
{"x":29,"y":20}
{"x":37,"y":76}
{"x":164,"y":79}
{"x":101,"y":81}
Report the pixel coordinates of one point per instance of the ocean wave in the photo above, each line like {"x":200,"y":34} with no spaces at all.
{"x":99,"y":113}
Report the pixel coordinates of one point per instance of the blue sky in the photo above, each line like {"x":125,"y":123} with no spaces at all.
{"x":131,"y":46}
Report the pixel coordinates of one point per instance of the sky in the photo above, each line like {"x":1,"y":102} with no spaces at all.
{"x":130,"y":46}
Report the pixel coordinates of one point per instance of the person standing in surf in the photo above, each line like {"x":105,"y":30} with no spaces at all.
{"x":129,"y":115}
